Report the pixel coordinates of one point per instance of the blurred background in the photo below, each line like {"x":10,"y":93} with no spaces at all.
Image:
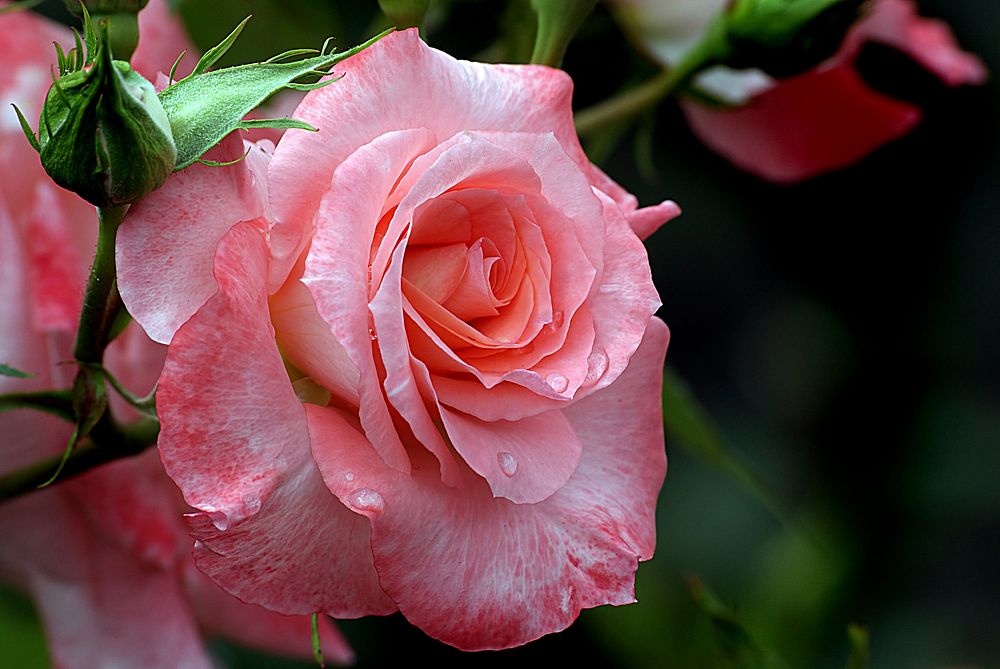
{"x":842,"y":334}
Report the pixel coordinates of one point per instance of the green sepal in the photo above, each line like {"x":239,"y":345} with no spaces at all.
{"x":280,"y":123}
{"x":205,"y":108}
{"x":218,"y":51}
{"x":90,"y":401}
{"x":28,"y":132}
{"x":223,"y":163}
{"x":7,"y":370}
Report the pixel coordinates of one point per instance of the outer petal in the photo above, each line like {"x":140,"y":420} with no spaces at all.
{"x":239,"y":450}
{"x":813,"y":123}
{"x":166,"y":245}
{"x":256,"y":627}
{"x":478,"y":572}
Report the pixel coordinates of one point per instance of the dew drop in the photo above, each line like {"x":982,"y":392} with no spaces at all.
{"x":597,"y":364}
{"x":558,"y":382}
{"x":371,"y":334}
{"x":349,"y":476}
{"x":557,"y":320}
{"x":507,"y":462}
{"x":366,"y":499}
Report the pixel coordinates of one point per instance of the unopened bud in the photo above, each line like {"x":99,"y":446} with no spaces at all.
{"x":787,"y":37}
{"x":103,"y":133}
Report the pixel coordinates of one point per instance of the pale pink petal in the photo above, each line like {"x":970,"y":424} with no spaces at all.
{"x":813,"y":123}
{"x":255,"y":627}
{"x":644,"y":221}
{"x":401,"y":84}
{"x":337,"y":270}
{"x":162,"y":38}
{"x":166,"y":245}
{"x":479,"y":572}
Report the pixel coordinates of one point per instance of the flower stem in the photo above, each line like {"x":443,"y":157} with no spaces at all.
{"x":631,"y":103}
{"x":109,"y":441}
{"x":101,"y":301}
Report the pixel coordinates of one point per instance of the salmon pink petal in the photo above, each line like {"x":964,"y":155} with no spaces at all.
{"x":515,"y":571}
{"x":838,"y":120}
{"x":644,"y":221}
{"x":265,"y":538}
{"x":337,"y":269}
{"x":525,"y":460}
{"x":166,"y":245}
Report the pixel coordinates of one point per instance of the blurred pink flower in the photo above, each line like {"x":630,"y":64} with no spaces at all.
{"x":792,"y":129}
{"x":105,"y":556}
{"x":413,"y":362}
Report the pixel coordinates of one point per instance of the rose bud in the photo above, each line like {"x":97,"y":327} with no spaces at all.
{"x":786,"y":37}
{"x":104,"y":135}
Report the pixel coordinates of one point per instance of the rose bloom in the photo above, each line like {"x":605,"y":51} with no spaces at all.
{"x":413,"y":362}
{"x":796,"y":128}
{"x":105,"y":556}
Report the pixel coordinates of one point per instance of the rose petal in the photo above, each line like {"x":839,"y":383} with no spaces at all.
{"x":513,"y":572}
{"x":838,"y":120}
{"x":239,"y":451}
{"x":166,"y":245}
{"x":337,"y":268}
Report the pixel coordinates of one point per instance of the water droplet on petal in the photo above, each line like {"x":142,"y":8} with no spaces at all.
{"x":507,"y":462}
{"x":597,"y":364}
{"x":371,"y":334}
{"x":558,"y":382}
{"x":557,"y":320}
{"x":366,"y":500}
{"x":349,"y":476}
{"x":220,"y":519}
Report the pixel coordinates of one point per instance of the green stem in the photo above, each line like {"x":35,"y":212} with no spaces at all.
{"x":109,"y":441}
{"x":101,"y":301}
{"x":558,"y":21}
{"x":629,"y":104}
{"x":56,"y":402}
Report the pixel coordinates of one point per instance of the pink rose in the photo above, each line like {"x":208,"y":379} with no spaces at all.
{"x":413,"y":362}
{"x":793,"y":129}
{"x":105,"y":556}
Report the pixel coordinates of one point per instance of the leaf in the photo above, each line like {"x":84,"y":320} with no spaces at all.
{"x":687,"y":421}
{"x":7,"y":370}
{"x":738,"y":645}
{"x":219,"y":50}
{"x":858,"y":638}
{"x":203,"y":109}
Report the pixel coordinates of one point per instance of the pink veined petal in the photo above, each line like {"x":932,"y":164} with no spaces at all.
{"x":806,"y":125}
{"x":166,"y":245}
{"x":337,"y":268}
{"x":219,"y":613}
{"x":162,"y":38}
{"x":239,"y":450}
{"x":478,"y":572}
{"x":401,"y":84}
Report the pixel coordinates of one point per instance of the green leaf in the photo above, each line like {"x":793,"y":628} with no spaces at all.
{"x":859,"y":640}
{"x":739,"y":646}
{"x":7,"y":370}
{"x":218,"y":51}
{"x":687,"y":421}
{"x":204,"y":109}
